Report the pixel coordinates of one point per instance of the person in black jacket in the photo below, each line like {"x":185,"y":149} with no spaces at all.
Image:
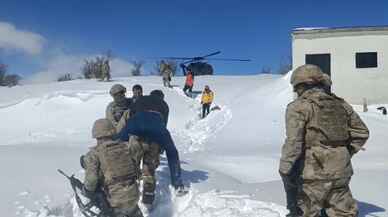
{"x":153,"y":102}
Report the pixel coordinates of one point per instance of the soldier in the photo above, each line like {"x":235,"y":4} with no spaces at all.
{"x":105,"y":69}
{"x":114,"y":166}
{"x":292,"y":182}
{"x":323,"y":132}
{"x":166,"y":72}
{"x":119,"y":106}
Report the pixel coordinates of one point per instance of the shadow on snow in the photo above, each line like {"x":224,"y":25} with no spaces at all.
{"x":366,"y":209}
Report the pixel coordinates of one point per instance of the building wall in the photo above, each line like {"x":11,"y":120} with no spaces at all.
{"x":349,"y":82}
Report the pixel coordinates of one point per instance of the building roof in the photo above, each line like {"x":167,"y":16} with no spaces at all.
{"x":313,"y":30}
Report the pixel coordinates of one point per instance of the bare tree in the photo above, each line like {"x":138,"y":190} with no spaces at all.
{"x":3,"y":71}
{"x":108,"y":54}
{"x":11,"y":80}
{"x":87,"y":69}
{"x":93,"y":68}
{"x":65,"y":77}
{"x":8,"y":79}
{"x":137,"y":69}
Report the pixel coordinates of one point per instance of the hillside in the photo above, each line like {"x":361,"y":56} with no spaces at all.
{"x":230,"y":159}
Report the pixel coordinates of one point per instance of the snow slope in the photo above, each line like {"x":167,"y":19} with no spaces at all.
{"x":230,"y":159}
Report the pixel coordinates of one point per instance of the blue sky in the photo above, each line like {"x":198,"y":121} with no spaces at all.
{"x":259,"y":30}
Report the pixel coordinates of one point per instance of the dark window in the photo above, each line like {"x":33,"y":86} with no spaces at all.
{"x":366,"y":60}
{"x":320,"y":60}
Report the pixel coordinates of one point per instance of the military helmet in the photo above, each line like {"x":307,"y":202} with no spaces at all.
{"x":103,"y":128}
{"x":308,"y":74}
{"x":117,"y":88}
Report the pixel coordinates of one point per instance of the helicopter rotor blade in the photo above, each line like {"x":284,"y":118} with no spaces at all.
{"x":176,"y":58}
{"x":229,"y":59}
{"x":188,"y":61}
{"x":212,"y":54}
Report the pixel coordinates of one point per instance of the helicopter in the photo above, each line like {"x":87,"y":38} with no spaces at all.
{"x":198,"y":65}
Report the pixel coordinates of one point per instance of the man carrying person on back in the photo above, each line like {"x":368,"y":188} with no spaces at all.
{"x":149,"y":118}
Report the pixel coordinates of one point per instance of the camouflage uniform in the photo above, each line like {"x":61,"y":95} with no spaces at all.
{"x":292,"y":181}
{"x":105,"y":71}
{"x":323,"y":132}
{"x":114,"y":165}
{"x":166,"y":71}
{"x":151,"y":162}
{"x":118,"y":110}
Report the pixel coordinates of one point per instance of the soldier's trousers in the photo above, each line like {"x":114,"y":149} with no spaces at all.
{"x":166,"y":82}
{"x":150,"y":125}
{"x":205,"y":109}
{"x":127,"y":212}
{"x":151,"y":161}
{"x":334,"y":196}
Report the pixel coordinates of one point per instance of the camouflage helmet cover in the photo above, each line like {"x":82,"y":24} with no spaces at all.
{"x":309,"y":74}
{"x":103,"y":128}
{"x":117,"y":88}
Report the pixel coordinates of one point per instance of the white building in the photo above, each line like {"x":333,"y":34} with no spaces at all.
{"x":356,"y":58}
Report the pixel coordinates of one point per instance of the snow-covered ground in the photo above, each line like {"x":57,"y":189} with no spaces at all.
{"x":230,"y":159}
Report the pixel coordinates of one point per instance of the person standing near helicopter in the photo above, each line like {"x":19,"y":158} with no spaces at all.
{"x":166,"y":71}
{"x":189,"y":83}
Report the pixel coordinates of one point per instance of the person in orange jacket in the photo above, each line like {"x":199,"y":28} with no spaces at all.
{"x":189,"y":83}
{"x":206,"y":101}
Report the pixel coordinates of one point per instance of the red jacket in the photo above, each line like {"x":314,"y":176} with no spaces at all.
{"x":189,"y":80}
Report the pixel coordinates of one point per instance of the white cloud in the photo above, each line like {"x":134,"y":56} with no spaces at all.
{"x":57,"y":66}
{"x":18,"y":40}
{"x":55,"y":62}
{"x":120,"y":68}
